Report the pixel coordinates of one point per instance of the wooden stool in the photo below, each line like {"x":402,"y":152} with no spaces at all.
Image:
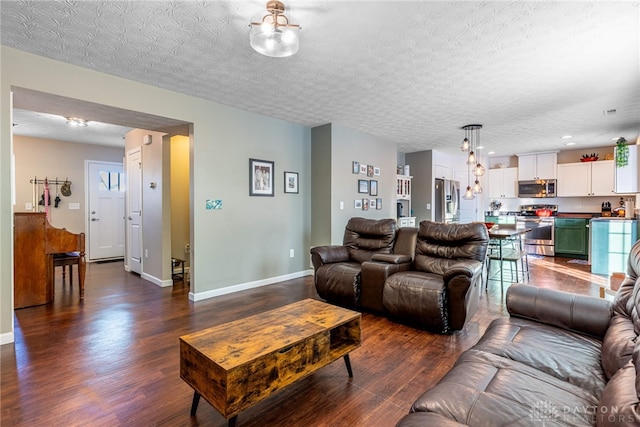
{"x":67,"y":259}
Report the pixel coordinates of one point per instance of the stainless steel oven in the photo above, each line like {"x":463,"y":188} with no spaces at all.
{"x":541,"y":239}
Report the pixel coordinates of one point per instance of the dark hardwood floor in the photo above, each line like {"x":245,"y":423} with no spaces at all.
{"x":113,"y":360}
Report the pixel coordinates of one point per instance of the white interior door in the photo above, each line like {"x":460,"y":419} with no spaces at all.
{"x":134,"y":210}
{"x":106,"y":210}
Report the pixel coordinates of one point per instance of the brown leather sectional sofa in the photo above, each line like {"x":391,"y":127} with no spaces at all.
{"x":428,"y":277}
{"x":560,"y":359}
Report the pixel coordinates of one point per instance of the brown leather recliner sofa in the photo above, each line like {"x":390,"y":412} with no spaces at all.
{"x":559,"y":359}
{"x":429,"y":277}
{"x":339,"y":275}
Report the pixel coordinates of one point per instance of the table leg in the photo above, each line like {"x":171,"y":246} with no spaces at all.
{"x":348,"y":363}
{"x":194,"y":403}
{"x":501,"y":266}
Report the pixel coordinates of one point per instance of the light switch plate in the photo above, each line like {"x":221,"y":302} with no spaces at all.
{"x":74,"y":206}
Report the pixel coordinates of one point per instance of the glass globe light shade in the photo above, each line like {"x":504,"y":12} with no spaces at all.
{"x":478,"y":170}
{"x":272,"y":34}
{"x":468,"y":195}
{"x":472,"y":158}
{"x":465,"y":145}
{"x":477,"y":189}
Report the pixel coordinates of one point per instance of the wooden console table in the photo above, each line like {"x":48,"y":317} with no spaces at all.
{"x":237,"y":364}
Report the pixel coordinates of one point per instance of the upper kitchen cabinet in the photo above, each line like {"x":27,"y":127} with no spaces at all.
{"x":626,"y":177}
{"x":503,"y":183}
{"x":585,"y":179}
{"x":441,"y":172}
{"x":537,"y":166}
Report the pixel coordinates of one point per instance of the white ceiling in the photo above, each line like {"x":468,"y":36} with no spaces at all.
{"x":408,"y":72}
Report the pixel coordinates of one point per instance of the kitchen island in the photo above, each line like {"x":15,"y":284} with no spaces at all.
{"x":611,"y":241}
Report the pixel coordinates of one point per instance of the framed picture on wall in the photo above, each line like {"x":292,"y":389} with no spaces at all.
{"x":261,"y":177}
{"x":357,"y":203}
{"x":372,"y":204}
{"x":365,"y":204}
{"x":369,"y":170}
{"x":379,"y":204}
{"x":373,"y":187}
{"x":363,"y":168}
{"x":376,"y":171}
{"x":363,"y":186}
{"x":355,"y":167}
{"x":291,"y":182}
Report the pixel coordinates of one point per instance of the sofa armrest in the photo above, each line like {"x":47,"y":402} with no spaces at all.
{"x":391,"y":258}
{"x":321,"y":255}
{"x":373,"y":275}
{"x":580,"y":313}
{"x":468,"y":268}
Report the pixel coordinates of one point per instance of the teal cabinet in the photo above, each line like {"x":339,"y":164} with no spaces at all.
{"x":611,"y":242}
{"x":572,"y":237}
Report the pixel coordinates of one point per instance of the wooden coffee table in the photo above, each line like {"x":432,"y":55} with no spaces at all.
{"x":237,"y":364}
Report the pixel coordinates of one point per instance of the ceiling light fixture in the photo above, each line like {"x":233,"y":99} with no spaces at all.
{"x":471,"y":144}
{"x":272,"y":34}
{"x":74,"y":121}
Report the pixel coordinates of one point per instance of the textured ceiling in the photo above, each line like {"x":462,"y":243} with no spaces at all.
{"x":408,"y":72}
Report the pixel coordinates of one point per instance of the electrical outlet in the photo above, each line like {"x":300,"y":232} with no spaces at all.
{"x":428,"y":206}
{"x":291,"y":253}
{"x":341,"y":205}
{"x":28,"y":206}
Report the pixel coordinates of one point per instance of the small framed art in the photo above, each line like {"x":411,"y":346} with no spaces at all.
{"x":369,"y":170}
{"x":357,"y":203}
{"x":373,"y":187}
{"x":363,"y":168}
{"x":261,"y":177}
{"x":291,"y":182}
{"x":355,"y":167}
{"x":365,"y":204}
{"x":379,"y":204}
{"x":376,"y":171}
{"x":363,"y":186}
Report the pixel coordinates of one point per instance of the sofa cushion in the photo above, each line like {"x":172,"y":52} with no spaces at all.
{"x":418,"y":298}
{"x":620,"y":402}
{"x":485,"y":389}
{"x":440,"y":246}
{"x":618,"y":344}
{"x":363,"y":237}
{"x":339,"y":283}
{"x":560,"y":353}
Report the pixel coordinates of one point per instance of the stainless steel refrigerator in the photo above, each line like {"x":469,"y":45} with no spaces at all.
{"x":447,"y":201}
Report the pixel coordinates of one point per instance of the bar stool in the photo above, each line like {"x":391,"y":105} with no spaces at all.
{"x":513,"y":252}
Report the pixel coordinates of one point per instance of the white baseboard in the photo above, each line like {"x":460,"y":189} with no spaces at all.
{"x":156,"y":281}
{"x":7,"y":338}
{"x":250,"y":285}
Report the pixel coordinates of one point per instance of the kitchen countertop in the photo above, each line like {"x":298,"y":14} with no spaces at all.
{"x":586,"y":215}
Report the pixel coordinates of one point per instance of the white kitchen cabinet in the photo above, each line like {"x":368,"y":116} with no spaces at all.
{"x":626,"y":177}
{"x":537,"y":166}
{"x":403,"y":198}
{"x":503,"y":183}
{"x":585,"y":179}
{"x":603,"y":177}
{"x":442,"y":172}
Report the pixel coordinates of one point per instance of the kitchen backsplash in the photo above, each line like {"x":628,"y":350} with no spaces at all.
{"x":565,"y":204}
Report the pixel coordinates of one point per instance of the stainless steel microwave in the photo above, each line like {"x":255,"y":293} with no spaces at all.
{"x":537,"y":188}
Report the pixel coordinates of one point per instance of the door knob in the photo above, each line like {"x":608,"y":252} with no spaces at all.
{"x":130,"y":218}
{"x":95,"y":219}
